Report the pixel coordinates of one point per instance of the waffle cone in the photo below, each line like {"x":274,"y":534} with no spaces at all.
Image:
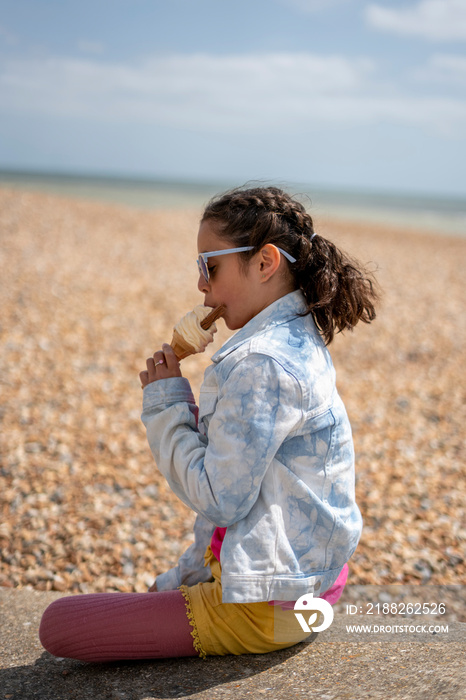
{"x":180,"y":347}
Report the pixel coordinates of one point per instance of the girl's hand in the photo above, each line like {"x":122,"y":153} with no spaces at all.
{"x":162,"y":365}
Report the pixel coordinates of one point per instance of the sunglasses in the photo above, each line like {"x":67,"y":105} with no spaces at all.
{"x":203,"y":258}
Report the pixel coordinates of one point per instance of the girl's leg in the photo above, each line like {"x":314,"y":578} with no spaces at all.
{"x":117,"y":626}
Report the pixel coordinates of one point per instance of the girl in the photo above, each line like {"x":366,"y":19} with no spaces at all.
{"x":266,"y":461}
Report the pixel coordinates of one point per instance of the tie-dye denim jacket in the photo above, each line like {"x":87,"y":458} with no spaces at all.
{"x":268,"y":454}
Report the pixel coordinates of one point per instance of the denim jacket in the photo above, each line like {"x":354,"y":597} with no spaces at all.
{"x":268,"y":454}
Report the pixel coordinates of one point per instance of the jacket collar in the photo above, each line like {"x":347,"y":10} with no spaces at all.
{"x":280,"y":311}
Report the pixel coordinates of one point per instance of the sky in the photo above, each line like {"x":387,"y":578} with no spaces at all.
{"x":341,"y":94}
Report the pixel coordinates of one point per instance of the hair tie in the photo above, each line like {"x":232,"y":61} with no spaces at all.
{"x":313,"y":235}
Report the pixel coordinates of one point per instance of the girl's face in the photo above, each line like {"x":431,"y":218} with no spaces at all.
{"x":239,"y":289}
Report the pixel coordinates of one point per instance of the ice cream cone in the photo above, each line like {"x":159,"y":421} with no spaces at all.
{"x":180,"y":347}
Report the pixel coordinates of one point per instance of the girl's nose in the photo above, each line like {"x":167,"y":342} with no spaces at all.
{"x":202,"y":284}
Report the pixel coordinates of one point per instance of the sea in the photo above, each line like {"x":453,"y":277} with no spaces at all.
{"x":441,"y":214}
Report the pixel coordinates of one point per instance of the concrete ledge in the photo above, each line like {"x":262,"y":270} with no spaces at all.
{"x":329,"y":666}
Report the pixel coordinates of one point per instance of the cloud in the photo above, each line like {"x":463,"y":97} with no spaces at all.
{"x":200,"y":88}
{"x":435,"y":20}
{"x":445,"y":69}
{"x":248,"y":93}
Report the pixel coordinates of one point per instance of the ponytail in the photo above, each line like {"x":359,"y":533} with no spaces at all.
{"x":339,"y":292}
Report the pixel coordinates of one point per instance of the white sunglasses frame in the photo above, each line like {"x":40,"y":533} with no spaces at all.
{"x":213,"y":253}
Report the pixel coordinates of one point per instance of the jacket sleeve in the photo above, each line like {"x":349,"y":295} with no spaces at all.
{"x":190,"y":568}
{"x":175,"y":395}
{"x":259,"y":404}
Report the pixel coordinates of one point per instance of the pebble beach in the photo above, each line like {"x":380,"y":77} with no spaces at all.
{"x":89,"y":290}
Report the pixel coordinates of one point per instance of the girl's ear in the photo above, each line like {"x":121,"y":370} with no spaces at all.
{"x":269,"y":261}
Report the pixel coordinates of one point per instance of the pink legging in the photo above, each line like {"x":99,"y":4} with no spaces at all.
{"x":117,"y":626}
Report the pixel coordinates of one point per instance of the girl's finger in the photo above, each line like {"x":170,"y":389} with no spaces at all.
{"x":159,"y":358}
{"x":150,"y":368}
{"x":170,"y":357}
{"x":144,"y":377}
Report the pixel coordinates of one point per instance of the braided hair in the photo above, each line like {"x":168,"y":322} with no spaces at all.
{"x":339,"y":292}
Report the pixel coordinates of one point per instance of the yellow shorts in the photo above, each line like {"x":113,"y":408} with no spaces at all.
{"x":236,"y":628}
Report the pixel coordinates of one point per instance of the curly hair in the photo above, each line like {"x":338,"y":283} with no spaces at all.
{"x":338,"y":290}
